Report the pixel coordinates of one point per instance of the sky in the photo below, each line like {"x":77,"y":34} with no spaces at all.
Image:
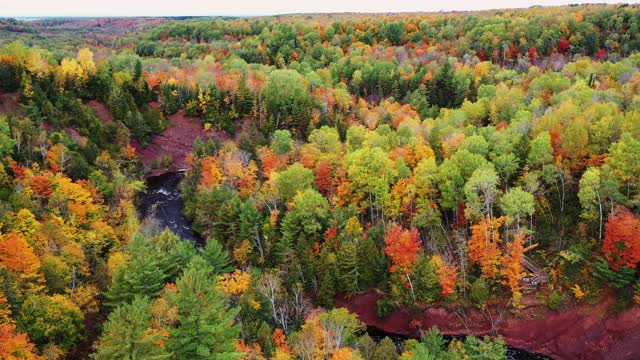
{"x":40,"y":8}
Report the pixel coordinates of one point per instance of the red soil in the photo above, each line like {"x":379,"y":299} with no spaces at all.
{"x":175,"y":141}
{"x":9,"y":103}
{"x":101,"y":111}
{"x":583,"y":332}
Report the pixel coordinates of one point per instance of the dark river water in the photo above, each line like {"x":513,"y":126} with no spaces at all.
{"x":162,"y":202}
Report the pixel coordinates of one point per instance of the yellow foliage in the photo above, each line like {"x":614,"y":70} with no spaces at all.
{"x":577,"y":292}
{"x":85,"y":58}
{"x":234,"y":283}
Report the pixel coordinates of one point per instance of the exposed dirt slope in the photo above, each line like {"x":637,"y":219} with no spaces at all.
{"x":583,"y":332}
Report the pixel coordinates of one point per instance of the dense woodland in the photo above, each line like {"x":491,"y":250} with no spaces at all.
{"x":418,"y":154}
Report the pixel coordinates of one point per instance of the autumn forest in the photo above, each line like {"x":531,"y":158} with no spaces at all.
{"x":465,"y":184}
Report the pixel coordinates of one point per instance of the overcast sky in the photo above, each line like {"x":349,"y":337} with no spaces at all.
{"x":16,"y":8}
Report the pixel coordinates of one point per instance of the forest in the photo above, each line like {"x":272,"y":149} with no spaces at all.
{"x":476,"y":162}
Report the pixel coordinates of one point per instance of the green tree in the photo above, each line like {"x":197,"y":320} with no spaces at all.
{"x":517,"y":203}
{"x":281,"y":142}
{"x":371,"y":173}
{"x":128,"y":334}
{"x":487,"y":349}
{"x":296,"y":178}
{"x":386,"y":350}
{"x":624,"y":159}
{"x":481,"y":192}
{"x":205,"y":322}
{"x":139,"y":276}
{"x":51,"y":319}
{"x":444,"y":91}
{"x":216,"y":257}
{"x":287,"y":100}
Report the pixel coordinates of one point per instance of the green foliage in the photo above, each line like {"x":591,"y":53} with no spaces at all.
{"x":386,"y":350}
{"x":129,"y":334}
{"x":141,"y":275}
{"x":51,"y":319}
{"x":479,"y":292}
{"x":556,"y":300}
{"x":206,"y":326}
{"x":216,"y":257}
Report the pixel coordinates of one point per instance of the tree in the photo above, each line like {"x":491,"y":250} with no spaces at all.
{"x":447,"y":275}
{"x":483,"y":245}
{"x":403,"y":247}
{"x":129,"y":334}
{"x":216,"y":256}
{"x":443,"y":89}
{"x":304,"y":223}
{"x":18,"y":256}
{"x":481,"y":192}
{"x":517,"y":203}
{"x":386,"y":350}
{"x":476,"y":348}
{"x":296,"y":178}
{"x":51,"y":319}
{"x":287,"y":100}
{"x":541,"y":151}
{"x":15,"y":345}
{"x":139,"y":276}
{"x":624,"y":159}
{"x":621,"y":245}
{"x":281,"y":143}
{"x":512,"y":269}
{"x":205,"y":328}
{"x":371,"y":173}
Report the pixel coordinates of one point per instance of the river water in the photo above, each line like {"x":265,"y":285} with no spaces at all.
{"x":163,"y":204}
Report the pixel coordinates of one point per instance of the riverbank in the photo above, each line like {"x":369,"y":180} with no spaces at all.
{"x":582,"y":332}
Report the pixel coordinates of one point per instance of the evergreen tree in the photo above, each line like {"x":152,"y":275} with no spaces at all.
{"x":140,"y":276}
{"x":386,"y":350}
{"x":205,"y":327}
{"x":128,"y":334}
{"x":367,"y":347}
{"x":443,"y":89}
{"x":216,"y":256}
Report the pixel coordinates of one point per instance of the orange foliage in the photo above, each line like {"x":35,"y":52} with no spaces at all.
{"x":17,"y":255}
{"x":511,"y":264}
{"x":280,"y":340}
{"x":621,"y":244}
{"x":211,"y":173}
{"x":402,"y":246}
{"x":483,"y":245}
{"x":14,"y":346}
{"x":41,"y":186}
{"x":447,"y":275}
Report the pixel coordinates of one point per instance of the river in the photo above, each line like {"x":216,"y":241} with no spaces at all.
{"x":162,"y":201}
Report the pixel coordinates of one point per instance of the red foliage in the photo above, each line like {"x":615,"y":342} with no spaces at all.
{"x":563,"y":45}
{"x":532,"y":54}
{"x":402,"y":246}
{"x":41,"y":186}
{"x":602,"y":53}
{"x":323,"y":177}
{"x":621,"y":244}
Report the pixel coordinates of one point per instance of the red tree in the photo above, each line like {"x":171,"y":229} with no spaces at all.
{"x":402,"y":246}
{"x":621,"y":244}
{"x":323,"y":177}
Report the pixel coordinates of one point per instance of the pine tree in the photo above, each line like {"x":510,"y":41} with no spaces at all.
{"x":216,"y":256}
{"x":386,"y":350}
{"x":205,"y":321}
{"x":128,"y":334}
{"x":349,"y":266}
{"x":140,"y":276}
